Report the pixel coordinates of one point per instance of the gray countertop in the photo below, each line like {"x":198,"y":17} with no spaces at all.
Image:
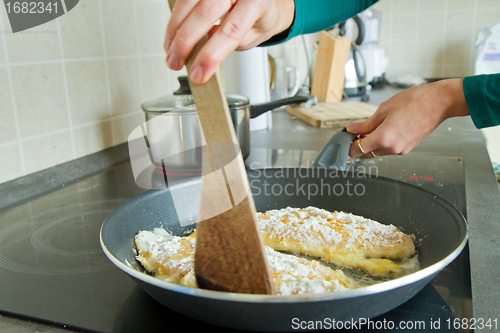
{"x":455,"y":137}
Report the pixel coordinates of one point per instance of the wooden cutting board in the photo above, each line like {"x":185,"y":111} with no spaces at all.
{"x":338,"y":114}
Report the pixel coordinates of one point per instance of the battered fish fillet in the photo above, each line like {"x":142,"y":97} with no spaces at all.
{"x":343,"y":239}
{"x":171,"y":258}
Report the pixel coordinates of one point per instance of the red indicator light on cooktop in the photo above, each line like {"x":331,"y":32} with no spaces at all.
{"x":414,"y":177}
{"x":429,"y":178}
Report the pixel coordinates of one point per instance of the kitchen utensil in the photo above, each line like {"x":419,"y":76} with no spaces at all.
{"x":230,"y":253}
{"x":440,"y":234}
{"x":338,"y":114}
{"x":179,"y":126}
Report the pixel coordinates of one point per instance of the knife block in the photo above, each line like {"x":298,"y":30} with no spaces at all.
{"x":329,"y":71}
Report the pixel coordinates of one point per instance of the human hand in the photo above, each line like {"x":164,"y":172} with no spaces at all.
{"x":244,"y":24}
{"x":405,"y":119}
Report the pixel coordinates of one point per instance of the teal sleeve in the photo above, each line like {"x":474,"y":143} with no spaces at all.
{"x":317,"y":15}
{"x":482,"y":94}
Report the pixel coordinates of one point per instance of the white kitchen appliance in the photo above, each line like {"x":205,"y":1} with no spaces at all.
{"x":374,"y":56}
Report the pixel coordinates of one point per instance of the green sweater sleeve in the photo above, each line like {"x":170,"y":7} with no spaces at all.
{"x":316,"y":15}
{"x":482,"y":94}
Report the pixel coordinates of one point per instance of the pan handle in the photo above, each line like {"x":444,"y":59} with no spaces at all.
{"x":333,"y":155}
{"x":258,"y":109}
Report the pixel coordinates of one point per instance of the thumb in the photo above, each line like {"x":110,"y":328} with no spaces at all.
{"x":364,"y":127}
{"x":354,"y":128}
{"x":367,"y":126}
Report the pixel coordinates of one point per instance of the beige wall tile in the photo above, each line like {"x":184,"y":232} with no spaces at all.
{"x":403,"y":54}
{"x":155,"y":77}
{"x":124,"y":85}
{"x":40,"y":98}
{"x":119,"y":27}
{"x":459,"y":25}
{"x":486,"y":17}
{"x":151,"y":24}
{"x":430,"y":53}
{"x":81,"y":31}
{"x":429,"y":72}
{"x":88,"y":92}
{"x":46,"y":152}
{"x":404,"y":27}
{"x":457,"y":52}
{"x":123,"y":126}
{"x":431,"y":5}
{"x":458,"y":71}
{"x":431,"y":26}
{"x":2,"y":51}
{"x":385,"y":29}
{"x":37,"y":43}
{"x":10,"y":163}
{"x":404,"y":6}
{"x":383,"y":6}
{"x":395,"y":71}
{"x":488,"y":4}
{"x":461,"y":4}
{"x":92,"y":138}
{"x":8,"y":130}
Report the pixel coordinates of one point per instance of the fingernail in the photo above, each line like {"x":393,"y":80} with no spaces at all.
{"x":196,"y":74}
{"x":173,"y":61}
{"x":353,"y":128}
{"x":167,"y":45}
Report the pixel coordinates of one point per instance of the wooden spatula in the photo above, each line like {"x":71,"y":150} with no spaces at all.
{"x":230,"y":252}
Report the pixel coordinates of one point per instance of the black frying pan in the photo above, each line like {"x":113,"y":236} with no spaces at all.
{"x":440,"y":230}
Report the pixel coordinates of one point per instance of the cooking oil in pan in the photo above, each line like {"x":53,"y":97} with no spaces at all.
{"x":409,"y":266}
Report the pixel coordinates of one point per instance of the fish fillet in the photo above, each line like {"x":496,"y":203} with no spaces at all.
{"x":343,"y":239}
{"x":171,"y":259}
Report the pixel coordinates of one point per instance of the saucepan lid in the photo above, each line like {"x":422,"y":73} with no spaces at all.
{"x":182,"y":97}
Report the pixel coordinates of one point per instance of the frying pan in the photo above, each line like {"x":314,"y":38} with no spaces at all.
{"x":440,"y":235}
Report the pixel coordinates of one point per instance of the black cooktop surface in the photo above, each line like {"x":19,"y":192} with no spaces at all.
{"x":52,"y":267}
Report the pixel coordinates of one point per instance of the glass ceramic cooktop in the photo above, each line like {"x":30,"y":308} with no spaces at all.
{"x":52,"y":267}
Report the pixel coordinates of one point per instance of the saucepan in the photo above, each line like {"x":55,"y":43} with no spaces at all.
{"x":439,"y":229}
{"x":173,"y":126}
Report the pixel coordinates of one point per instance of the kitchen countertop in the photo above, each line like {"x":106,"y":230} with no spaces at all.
{"x":455,"y":137}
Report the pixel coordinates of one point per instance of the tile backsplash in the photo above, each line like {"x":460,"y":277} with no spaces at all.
{"x":73,"y":86}
{"x":433,"y":38}
{"x":429,"y":38}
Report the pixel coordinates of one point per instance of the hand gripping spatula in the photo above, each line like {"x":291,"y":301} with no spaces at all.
{"x":230,"y":252}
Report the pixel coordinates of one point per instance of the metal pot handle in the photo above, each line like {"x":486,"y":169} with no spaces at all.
{"x":334,"y":154}
{"x":258,"y":109}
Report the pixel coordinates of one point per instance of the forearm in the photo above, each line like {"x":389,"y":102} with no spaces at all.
{"x":316,"y":15}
